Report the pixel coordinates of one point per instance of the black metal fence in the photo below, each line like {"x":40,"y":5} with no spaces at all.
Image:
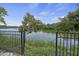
{"x":12,"y":41}
{"x":67,"y":44}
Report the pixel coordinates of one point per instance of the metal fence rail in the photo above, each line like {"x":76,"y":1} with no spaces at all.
{"x":12,"y":41}
{"x":67,"y":44}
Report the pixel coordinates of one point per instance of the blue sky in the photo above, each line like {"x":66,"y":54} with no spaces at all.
{"x":46,"y":12}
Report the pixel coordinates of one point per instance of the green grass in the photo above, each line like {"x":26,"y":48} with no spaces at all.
{"x":9,"y":43}
{"x":33,"y":47}
{"x":39,"y":48}
{"x":67,"y":51}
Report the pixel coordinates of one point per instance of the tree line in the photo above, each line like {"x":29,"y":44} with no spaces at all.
{"x":70,"y":22}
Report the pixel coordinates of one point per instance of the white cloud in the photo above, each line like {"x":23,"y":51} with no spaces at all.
{"x":58,"y":7}
{"x":56,"y":19}
{"x":62,"y":6}
{"x":31,"y":7}
{"x":44,"y":13}
{"x":61,"y":16}
{"x":48,"y":19}
{"x":37,"y":17}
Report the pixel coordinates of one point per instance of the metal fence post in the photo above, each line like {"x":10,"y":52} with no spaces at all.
{"x":56,"y":43}
{"x":78,"y":46}
{"x":22,"y":42}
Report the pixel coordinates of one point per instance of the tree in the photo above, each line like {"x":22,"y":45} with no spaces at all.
{"x":30,"y":24}
{"x":2,"y":21}
{"x":3,"y":13}
{"x":69,"y":22}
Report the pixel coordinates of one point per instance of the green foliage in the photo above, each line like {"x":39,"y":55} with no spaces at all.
{"x":9,"y":43}
{"x":39,"y":48}
{"x":34,"y":47}
{"x":30,"y":24}
{"x":3,"y":13}
{"x":50,"y":28}
{"x":69,"y":22}
{"x":2,"y":20}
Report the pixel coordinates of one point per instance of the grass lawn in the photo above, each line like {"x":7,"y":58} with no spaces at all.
{"x":33,"y":47}
{"x":10,"y":43}
{"x":39,"y":48}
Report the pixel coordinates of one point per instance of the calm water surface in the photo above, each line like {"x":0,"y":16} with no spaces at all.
{"x":49,"y":37}
{"x":44,"y":36}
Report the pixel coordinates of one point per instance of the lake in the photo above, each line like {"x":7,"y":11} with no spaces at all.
{"x":49,"y":37}
{"x":43,"y":36}
{"x":9,"y":29}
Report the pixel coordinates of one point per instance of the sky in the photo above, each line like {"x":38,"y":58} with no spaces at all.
{"x":46,"y":12}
